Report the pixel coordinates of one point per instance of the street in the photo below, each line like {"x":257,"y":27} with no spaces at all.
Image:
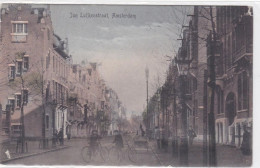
{"x":226,"y":156}
{"x":72,"y":156}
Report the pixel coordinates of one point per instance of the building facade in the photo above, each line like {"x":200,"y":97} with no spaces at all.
{"x":234,"y":77}
{"x":233,"y":85}
{"x":40,"y":83}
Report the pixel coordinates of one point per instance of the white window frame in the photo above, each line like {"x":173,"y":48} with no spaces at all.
{"x":27,"y":98}
{"x":28,"y":61}
{"x":9,"y":102}
{"x":16,"y":100}
{"x":10,"y":74}
{"x":24,"y":28}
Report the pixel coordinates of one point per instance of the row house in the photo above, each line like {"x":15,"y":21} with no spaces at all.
{"x":117,"y":111}
{"x":86,"y":99}
{"x":39,"y":79}
{"x":34,"y":73}
{"x":233,"y":66}
{"x":234,"y":77}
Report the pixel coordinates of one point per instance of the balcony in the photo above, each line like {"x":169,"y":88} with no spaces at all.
{"x":246,"y":50}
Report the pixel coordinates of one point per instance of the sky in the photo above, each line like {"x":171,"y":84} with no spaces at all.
{"x":124,"y":47}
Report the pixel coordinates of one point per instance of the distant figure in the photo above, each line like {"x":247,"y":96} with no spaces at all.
{"x":157,"y":137}
{"x":137,"y":132}
{"x":142,"y":130}
{"x":246,"y":143}
{"x":55,"y":137}
{"x":68,"y":132}
{"x":118,"y":140}
{"x":192,"y":135}
{"x":60,"y":135}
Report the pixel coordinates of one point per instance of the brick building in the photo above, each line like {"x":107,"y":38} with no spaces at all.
{"x":233,"y":66}
{"x":34,"y":70}
{"x":234,"y":77}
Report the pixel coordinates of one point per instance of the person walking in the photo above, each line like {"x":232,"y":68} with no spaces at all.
{"x":246,"y":143}
{"x":157,"y":137}
{"x":142,"y":130}
{"x":246,"y":146}
{"x":192,"y":135}
{"x":60,"y":135}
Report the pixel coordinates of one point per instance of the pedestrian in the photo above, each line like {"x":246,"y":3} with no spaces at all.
{"x":142,"y":130}
{"x":68,"y":132}
{"x":246,"y":143}
{"x":60,"y":135}
{"x":157,"y":136}
{"x":55,"y":137}
{"x":192,"y":135}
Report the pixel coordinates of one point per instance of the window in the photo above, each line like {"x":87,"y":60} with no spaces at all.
{"x":102,"y":104}
{"x":47,"y":120}
{"x":26,"y":63}
{"x":19,"y":68}
{"x":25,"y":96}
{"x":11,"y":102}
{"x":19,"y":31}
{"x":20,"y":28}
{"x":48,"y":33}
{"x":53,"y":64}
{"x":79,"y":75}
{"x":84,"y":78}
{"x":11,"y":74}
{"x":16,"y":129}
{"x":242,"y":91}
{"x":18,"y":100}
{"x":219,"y":93}
{"x":74,"y":69}
{"x":48,"y":60}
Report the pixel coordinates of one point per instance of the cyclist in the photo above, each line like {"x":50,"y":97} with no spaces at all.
{"x":118,"y":140}
{"x":94,"y":138}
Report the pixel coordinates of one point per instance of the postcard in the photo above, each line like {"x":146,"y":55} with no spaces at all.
{"x":126,"y":85}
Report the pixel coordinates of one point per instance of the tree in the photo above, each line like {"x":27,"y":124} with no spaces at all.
{"x":31,"y":83}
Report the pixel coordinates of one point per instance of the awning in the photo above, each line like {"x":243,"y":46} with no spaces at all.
{"x":240,"y":120}
{"x":68,"y":123}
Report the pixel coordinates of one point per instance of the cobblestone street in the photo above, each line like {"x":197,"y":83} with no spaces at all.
{"x":226,"y":156}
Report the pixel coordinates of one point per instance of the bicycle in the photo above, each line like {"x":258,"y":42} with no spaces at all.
{"x":89,"y":153}
{"x":116,"y":154}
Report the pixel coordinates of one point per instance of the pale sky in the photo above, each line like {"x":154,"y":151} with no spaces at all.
{"x":123,"y":46}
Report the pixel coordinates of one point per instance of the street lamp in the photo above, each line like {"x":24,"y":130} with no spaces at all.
{"x":158,"y":93}
{"x":183,"y":64}
{"x":147,"y":113}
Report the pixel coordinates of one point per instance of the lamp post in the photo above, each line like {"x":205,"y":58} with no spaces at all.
{"x":183,"y":63}
{"x":147,"y":114}
{"x":158,"y":113}
{"x":62,"y":109}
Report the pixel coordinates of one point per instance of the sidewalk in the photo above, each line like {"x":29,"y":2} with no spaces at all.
{"x":226,"y":156}
{"x":33,"y":149}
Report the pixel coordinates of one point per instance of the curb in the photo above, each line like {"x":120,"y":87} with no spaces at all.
{"x":33,"y":154}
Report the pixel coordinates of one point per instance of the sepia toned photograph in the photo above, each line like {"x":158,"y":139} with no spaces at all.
{"x":126,"y":85}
